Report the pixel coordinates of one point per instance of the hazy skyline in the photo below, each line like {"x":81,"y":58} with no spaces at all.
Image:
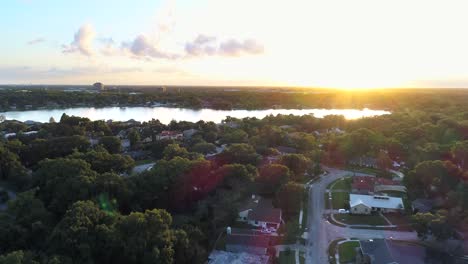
{"x":319,"y":43}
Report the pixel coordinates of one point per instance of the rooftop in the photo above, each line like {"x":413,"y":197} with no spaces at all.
{"x":265,"y":212}
{"x":387,"y":202}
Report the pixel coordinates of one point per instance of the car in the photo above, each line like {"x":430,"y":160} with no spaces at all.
{"x":343,"y":211}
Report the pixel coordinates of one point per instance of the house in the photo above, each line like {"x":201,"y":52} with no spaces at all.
{"x":366,"y":204}
{"x":364,"y":162}
{"x":362,"y":185}
{"x":259,"y":212}
{"x":376,"y":251}
{"x":371,"y":185}
{"x":166,"y":134}
{"x":188,"y":134}
{"x":286,"y":150}
{"x":252,"y":244}
{"x":422,"y":205}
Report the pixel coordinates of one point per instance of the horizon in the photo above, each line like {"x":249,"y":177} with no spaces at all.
{"x":307,"y":44}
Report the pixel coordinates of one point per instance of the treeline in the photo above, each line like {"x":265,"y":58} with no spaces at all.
{"x":216,"y":98}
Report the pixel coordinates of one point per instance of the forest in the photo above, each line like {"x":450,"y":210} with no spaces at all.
{"x":77,"y":199}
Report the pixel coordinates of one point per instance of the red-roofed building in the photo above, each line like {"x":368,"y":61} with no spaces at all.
{"x":362,"y":185}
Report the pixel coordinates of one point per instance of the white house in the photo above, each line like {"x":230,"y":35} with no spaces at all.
{"x":366,"y":204}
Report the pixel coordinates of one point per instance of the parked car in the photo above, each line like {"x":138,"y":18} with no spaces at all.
{"x":343,"y":211}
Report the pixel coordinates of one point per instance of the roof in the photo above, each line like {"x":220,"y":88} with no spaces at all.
{"x":377,"y":250}
{"x":265,"y":212}
{"x":422,"y":205}
{"x":169,"y":133}
{"x":222,"y":257}
{"x":387,"y":202}
{"x":248,"y":240}
{"x":284,"y":149}
{"x":363,"y":185}
{"x":250,"y":204}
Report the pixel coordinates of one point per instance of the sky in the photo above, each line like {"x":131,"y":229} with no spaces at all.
{"x":313,"y":43}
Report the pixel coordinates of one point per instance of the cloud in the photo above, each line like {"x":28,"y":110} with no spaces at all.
{"x":82,"y":42}
{"x":204,"y":45}
{"x":236,"y":48}
{"x":35,"y":41}
{"x":142,"y":47}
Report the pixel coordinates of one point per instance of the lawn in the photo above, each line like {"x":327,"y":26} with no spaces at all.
{"x":287,"y":257}
{"x":350,"y":219}
{"x":347,"y":251}
{"x":340,"y":199}
{"x":343,"y":184}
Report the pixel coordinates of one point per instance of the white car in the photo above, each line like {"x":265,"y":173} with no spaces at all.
{"x":343,"y":211}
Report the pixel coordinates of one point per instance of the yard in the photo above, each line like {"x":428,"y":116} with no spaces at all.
{"x":287,"y":257}
{"x":340,"y":200}
{"x":347,"y":251}
{"x":350,"y":219}
{"x":343,"y":184}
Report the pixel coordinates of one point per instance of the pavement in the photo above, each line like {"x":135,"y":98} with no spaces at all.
{"x":322,"y":232}
{"x":141,"y":168}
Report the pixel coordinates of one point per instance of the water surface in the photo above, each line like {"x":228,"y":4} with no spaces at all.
{"x":166,"y":114}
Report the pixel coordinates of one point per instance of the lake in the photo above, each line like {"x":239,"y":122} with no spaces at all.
{"x":166,"y":114}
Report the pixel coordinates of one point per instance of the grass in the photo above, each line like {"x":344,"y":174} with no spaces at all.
{"x":340,"y":199}
{"x":343,"y":184}
{"x":305,"y":208}
{"x":287,"y":257}
{"x":332,"y":250}
{"x":347,"y":251}
{"x":350,"y":219}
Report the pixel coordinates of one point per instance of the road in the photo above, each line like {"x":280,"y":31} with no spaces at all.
{"x":322,"y":233}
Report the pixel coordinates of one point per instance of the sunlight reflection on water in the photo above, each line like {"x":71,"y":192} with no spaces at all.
{"x":166,"y":114}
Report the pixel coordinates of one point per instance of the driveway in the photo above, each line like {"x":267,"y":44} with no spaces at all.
{"x":322,"y":233}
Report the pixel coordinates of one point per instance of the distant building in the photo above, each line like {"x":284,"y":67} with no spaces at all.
{"x":189,"y":133}
{"x":383,"y":251}
{"x":99,"y":86}
{"x":422,"y":205}
{"x":286,"y":150}
{"x":169,"y":135}
{"x":371,"y":185}
{"x":366,"y":204}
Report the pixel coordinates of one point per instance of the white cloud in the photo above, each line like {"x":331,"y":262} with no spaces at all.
{"x":82,"y":42}
{"x":143,"y":47}
{"x":206,"y":46}
{"x":36,"y":41}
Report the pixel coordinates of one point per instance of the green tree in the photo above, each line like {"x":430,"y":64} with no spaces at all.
{"x":134,"y":137}
{"x":241,"y":153}
{"x":460,"y":153}
{"x":298,"y":164}
{"x":18,"y":257}
{"x":102,"y":161}
{"x":64,"y":181}
{"x":272,"y":177}
{"x":204,"y":148}
{"x":174,"y":150}
{"x":111,"y":143}
{"x":234,"y":136}
{"x":85,"y":233}
{"x":289,"y":197}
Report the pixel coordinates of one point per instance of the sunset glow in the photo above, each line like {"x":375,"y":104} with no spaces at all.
{"x":337,"y":44}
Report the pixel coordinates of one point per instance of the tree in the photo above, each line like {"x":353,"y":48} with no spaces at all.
{"x":85,"y":233}
{"x":234,"y":136}
{"x":460,"y":153}
{"x":146,"y":237}
{"x":111,"y":143}
{"x":64,"y":181}
{"x":18,"y":257}
{"x":204,"y":148}
{"x":52,"y":120}
{"x":297,"y":163}
{"x":174,"y":150}
{"x":134,"y":137}
{"x":241,"y":153}
{"x":102,"y":161}
{"x":289,"y":197}
{"x":11,"y":169}
{"x":272,"y":177}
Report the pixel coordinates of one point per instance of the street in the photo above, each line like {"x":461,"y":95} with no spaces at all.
{"x":322,"y":233}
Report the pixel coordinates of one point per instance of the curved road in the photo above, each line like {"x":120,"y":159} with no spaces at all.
{"x":322,"y":233}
